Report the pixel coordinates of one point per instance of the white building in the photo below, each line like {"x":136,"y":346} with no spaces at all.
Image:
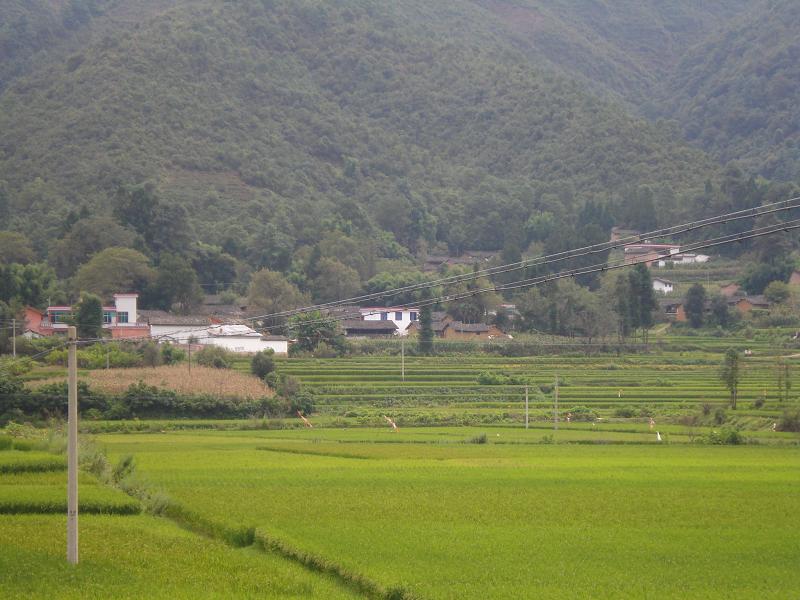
{"x":241,"y":338}
{"x":402,"y":317}
{"x":684,"y":259}
{"x":663,"y":286}
{"x":180,"y":329}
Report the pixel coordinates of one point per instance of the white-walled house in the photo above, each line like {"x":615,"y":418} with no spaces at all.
{"x":121,"y":319}
{"x":241,"y":338}
{"x":180,"y":329}
{"x":663,"y":286}
{"x":402,"y":317}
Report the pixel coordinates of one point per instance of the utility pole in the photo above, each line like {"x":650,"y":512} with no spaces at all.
{"x":526,"y":407}
{"x":403,"y":359}
{"x":72,"y":448}
{"x":555,"y":407}
{"x":190,"y":355}
{"x":108,"y":356}
{"x":14,"y":338}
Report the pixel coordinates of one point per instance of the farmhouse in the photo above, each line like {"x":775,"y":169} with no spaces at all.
{"x":663,"y":286}
{"x":744,"y":304}
{"x":359,"y":328}
{"x":241,"y":338}
{"x":121,"y":319}
{"x":402,"y":317}
{"x":210,"y":331}
{"x":649,"y":253}
{"x":673,"y":310}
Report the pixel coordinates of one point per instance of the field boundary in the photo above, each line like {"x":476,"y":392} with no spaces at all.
{"x":158,"y":503}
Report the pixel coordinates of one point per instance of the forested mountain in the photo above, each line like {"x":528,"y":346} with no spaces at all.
{"x":303,"y":108}
{"x":336,"y":141}
{"x":738,"y":94}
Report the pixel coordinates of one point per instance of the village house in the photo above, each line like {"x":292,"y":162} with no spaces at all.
{"x":648,"y":253}
{"x":677,"y":260}
{"x":745,"y":304}
{"x":211,"y":331}
{"x":121,"y":319}
{"x":663,"y":286}
{"x":402,"y":317}
{"x":360,"y":328}
{"x":444,"y":326}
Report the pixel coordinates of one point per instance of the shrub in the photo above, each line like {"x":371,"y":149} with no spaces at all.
{"x":262,"y":363}
{"x":790,"y":421}
{"x":171,"y":355}
{"x":478,"y":439}
{"x":626,"y":412}
{"x":719,"y":416}
{"x":583,"y":413}
{"x":727,"y":436}
{"x":214,"y":356}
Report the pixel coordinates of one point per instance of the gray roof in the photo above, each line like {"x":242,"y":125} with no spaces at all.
{"x":359,"y":325}
{"x":160,"y":317}
{"x":469,"y":327}
{"x":274,"y":338}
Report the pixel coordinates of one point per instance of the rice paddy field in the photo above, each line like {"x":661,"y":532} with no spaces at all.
{"x":462,"y":501}
{"x":434,"y":514}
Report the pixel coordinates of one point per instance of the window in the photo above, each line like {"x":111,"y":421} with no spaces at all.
{"x":414,"y":316}
{"x":398,"y":316}
{"x":59,"y":316}
{"x":122,"y":317}
{"x":384,"y":316}
{"x":108,"y":317}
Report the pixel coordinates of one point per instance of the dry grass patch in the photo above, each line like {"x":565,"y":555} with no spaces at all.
{"x":224,"y":383}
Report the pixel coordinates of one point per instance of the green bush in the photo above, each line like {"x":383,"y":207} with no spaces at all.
{"x":789,"y":421}
{"x":216,"y":357}
{"x":726,"y":436}
{"x":263,"y":363}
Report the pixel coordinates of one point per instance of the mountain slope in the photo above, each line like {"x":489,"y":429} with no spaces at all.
{"x":295,"y":113}
{"x":736,"y":95}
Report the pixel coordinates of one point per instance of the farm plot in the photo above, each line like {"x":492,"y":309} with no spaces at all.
{"x":442,"y":518}
{"x":142,"y":557}
{"x":133,"y":556}
{"x":666,"y":383}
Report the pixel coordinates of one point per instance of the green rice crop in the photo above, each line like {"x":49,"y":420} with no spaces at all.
{"x":143,"y":557}
{"x":509,"y":518}
{"x":21,"y":462}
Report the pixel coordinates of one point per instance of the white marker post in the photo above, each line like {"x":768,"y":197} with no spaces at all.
{"x":72,"y":449}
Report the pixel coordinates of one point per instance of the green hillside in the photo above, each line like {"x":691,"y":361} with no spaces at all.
{"x":292,"y":113}
{"x":736,"y":94}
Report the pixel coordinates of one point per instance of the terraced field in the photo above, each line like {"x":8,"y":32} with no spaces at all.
{"x":663,"y":383}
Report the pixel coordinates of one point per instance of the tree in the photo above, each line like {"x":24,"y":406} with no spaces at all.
{"x":86,"y":238}
{"x":720,"y":311}
{"x":729,"y":374}
{"x":114,"y":270}
{"x":622,"y":306}
{"x":32,"y":285}
{"x":89,"y":316}
{"x":175,"y":283}
{"x":425,"y":340}
{"x":695,"y":305}
{"x":642,"y":299}
{"x":777,"y":292}
{"x":262,"y":363}
{"x":213,"y":265}
{"x":270,"y":292}
{"x":311,"y":328}
{"x":335,"y":281}
{"x":15,"y":248}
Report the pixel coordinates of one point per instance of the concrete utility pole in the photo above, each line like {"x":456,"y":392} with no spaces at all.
{"x":526,"y":407}
{"x":72,"y":448}
{"x":14,"y":338}
{"x":555,"y":407}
